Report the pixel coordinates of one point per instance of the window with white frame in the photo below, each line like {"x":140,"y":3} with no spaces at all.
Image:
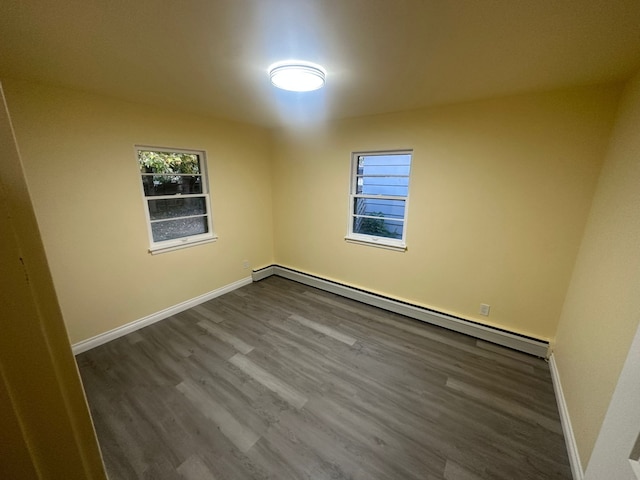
{"x":379,"y":197}
{"x":176,"y":196}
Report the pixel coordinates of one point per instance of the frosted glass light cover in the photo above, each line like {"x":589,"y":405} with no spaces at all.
{"x":297,"y":76}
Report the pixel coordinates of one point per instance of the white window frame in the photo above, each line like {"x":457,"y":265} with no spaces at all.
{"x":371,"y":240}
{"x":181,"y":242}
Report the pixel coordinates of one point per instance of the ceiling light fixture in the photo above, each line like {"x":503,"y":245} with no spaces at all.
{"x":297,"y":76}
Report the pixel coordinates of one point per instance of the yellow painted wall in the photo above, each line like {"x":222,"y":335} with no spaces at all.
{"x":602,"y":308}
{"x":78,"y":153}
{"x":499,"y":195}
{"x":45,"y":428}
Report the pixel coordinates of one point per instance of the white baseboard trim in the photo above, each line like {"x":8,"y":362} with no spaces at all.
{"x":569,"y":438}
{"x":103,"y":338}
{"x":517,"y":342}
{"x":262,"y":273}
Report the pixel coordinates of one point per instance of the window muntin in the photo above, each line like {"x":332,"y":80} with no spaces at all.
{"x":176,"y":194}
{"x":378,"y":198}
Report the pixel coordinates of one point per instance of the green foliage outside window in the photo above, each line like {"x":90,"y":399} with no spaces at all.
{"x":375,"y":227}
{"x":169,"y":173}
{"x":168,"y":163}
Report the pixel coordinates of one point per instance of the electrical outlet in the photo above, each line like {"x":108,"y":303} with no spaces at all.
{"x":245,"y":264}
{"x":484,"y":309}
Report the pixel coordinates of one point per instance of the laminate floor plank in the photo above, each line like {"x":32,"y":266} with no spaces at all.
{"x":226,"y":337}
{"x":193,"y":468}
{"x":204,"y":311}
{"x":512,"y":407}
{"x":273,"y":383}
{"x":345,"y":371}
{"x":453,"y":471}
{"x":483,"y":434}
{"x":328,"y":331}
{"x":395,"y":455}
{"x":280,"y":381}
{"x":240,"y":435}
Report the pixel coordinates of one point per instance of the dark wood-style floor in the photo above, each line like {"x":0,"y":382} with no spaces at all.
{"x":277,"y":380}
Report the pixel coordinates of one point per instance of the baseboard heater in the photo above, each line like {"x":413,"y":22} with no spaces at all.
{"x":516,"y":341}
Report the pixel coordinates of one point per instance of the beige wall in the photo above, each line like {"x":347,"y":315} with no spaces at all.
{"x":500,"y":192}
{"x":45,"y":428}
{"x":601,"y":311}
{"x":78,"y":153}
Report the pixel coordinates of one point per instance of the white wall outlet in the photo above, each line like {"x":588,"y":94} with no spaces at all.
{"x":484,"y":309}
{"x":245,"y":264}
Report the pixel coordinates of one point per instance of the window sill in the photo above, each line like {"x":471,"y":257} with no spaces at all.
{"x":185,"y":243}
{"x":378,"y":242}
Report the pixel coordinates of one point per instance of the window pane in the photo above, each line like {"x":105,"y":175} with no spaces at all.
{"x":389,"y":168}
{"x":367,"y":161}
{"x":185,"y":227}
{"x":168,"y":162}
{"x":379,"y":207}
{"x":176,"y":207}
{"x":383,"y":174}
{"x":378,"y":227}
{"x":171,"y":185}
{"x":398,"y":186}
{"x":376,"y":176}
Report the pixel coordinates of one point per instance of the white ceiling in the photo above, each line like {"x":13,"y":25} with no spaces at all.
{"x":210,"y":56}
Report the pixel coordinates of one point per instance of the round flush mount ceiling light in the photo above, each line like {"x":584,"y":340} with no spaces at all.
{"x":297,"y":76}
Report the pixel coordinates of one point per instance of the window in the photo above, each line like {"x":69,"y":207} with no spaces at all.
{"x":378,"y":200}
{"x":176,"y":195}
